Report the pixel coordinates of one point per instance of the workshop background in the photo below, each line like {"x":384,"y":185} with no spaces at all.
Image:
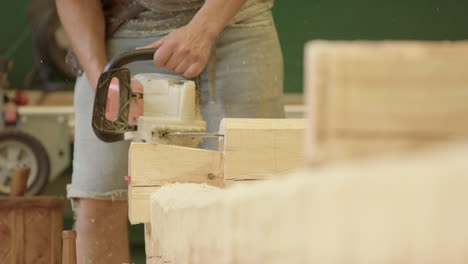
{"x":298,"y":21}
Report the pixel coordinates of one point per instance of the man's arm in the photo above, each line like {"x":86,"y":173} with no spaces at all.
{"x":187,"y":49}
{"x":83,"y":21}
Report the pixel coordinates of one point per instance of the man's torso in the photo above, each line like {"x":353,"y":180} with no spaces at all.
{"x":162,"y":16}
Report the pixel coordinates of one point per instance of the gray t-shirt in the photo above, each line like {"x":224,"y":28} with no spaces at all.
{"x":164,"y":16}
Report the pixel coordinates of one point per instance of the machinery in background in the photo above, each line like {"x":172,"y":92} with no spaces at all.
{"x":36,"y":136}
{"x":50,"y":71}
{"x":33,"y":137}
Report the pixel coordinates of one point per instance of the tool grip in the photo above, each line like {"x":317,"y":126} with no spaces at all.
{"x":113,"y":130}
{"x":129,"y":57}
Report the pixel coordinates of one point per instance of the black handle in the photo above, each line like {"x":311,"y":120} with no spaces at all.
{"x":129,"y":57}
{"x":113,"y":130}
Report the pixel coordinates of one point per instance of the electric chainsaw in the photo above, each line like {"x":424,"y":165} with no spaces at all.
{"x":171,"y":105}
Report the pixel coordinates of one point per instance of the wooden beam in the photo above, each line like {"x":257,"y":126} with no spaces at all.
{"x":361,"y":95}
{"x":152,"y":165}
{"x":406,"y":209}
{"x":254,"y":149}
{"x":138,"y":202}
{"x":261,"y":148}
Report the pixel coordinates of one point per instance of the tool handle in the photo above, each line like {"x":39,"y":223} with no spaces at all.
{"x":114,"y":130}
{"x":129,"y":57}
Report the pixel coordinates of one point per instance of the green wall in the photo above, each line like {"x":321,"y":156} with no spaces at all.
{"x":12,"y":24}
{"x":301,"y":20}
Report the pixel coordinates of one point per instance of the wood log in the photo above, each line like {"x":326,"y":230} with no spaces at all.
{"x":404,"y":209}
{"x":368,"y":98}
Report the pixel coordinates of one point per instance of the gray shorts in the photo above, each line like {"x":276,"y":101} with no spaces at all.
{"x":249,"y":83}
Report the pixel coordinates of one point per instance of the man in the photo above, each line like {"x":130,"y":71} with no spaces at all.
{"x":241,"y":39}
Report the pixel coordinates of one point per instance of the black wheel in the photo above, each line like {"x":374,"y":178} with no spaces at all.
{"x":19,"y":148}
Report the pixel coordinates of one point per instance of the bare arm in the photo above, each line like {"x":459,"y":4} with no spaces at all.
{"x":216,"y":14}
{"x":83,"y":21}
{"x":187,"y":49}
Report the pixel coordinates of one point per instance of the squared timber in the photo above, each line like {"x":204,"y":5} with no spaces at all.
{"x":258,"y":149}
{"x":366,"y":98}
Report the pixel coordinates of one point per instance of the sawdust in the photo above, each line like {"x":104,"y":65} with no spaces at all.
{"x":388,"y":210}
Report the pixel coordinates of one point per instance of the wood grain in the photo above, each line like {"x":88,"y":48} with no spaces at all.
{"x":403,"y":209}
{"x":396,"y":91}
{"x":27,"y":202}
{"x":138,"y":202}
{"x":154,"y":164}
{"x":261,"y":148}
{"x":30,"y":229}
{"x":252,"y":149}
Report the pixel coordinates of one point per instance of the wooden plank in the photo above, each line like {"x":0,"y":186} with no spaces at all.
{"x":253,"y":149}
{"x":392,"y":210}
{"x":37,"y":244}
{"x":49,"y":202}
{"x":232,"y":183}
{"x":9,"y":237}
{"x":138,"y":203}
{"x":191,"y":197}
{"x":149,"y":245}
{"x":153,"y":164}
{"x":18,"y":248}
{"x":261,"y":148}
{"x":410,"y":91}
{"x":56,"y":228}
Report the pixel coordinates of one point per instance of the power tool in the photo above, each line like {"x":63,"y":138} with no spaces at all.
{"x":171,"y":113}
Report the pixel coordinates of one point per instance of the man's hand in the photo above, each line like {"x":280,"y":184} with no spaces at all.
{"x":136,"y":106}
{"x":186,"y":50}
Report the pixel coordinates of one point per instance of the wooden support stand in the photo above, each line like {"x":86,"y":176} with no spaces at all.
{"x":69,"y":247}
{"x":30,"y":226}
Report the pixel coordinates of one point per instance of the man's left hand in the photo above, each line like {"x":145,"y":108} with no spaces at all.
{"x":186,"y":50}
